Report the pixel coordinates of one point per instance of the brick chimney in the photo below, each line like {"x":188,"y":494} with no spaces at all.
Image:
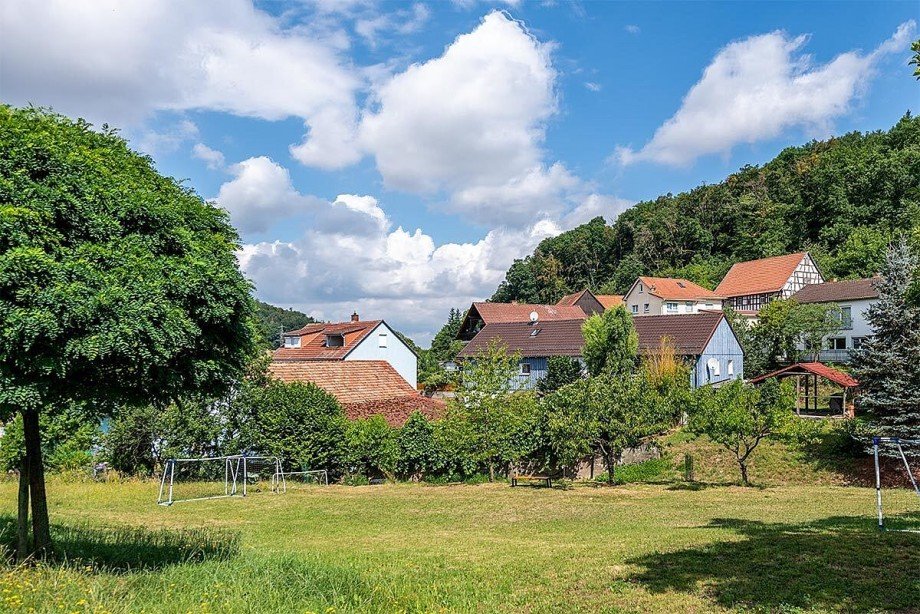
{"x":354,"y":317}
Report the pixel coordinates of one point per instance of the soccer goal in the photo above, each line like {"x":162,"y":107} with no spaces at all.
{"x":897,"y":443}
{"x":289,"y":479}
{"x":195,"y":479}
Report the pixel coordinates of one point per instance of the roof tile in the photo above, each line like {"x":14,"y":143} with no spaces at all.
{"x":832,"y":291}
{"x":759,"y":276}
{"x":678,"y":289}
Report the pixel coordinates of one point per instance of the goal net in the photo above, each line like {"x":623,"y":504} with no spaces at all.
{"x":293,"y":479}
{"x":894,"y":443}
{"x":192,"y":479}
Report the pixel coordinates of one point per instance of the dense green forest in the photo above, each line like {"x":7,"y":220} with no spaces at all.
{"x":272,"y":320}
{"x":841,"y":199}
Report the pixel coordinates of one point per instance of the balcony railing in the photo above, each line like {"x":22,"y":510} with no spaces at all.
{"x":834,"y":356}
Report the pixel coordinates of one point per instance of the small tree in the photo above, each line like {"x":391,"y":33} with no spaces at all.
{"x":887,"y":365}
{"x":372,"y":447}
{"x":602,"y":415}
{"x":611,"y":342}
{"x":498,"y":415}
{"x":560,"y":371}
{"x":418,"y":449}
{"x":739,"y":416}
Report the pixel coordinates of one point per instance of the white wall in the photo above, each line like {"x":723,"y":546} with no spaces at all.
{"x":861,"y":327}
{"x":396,"y":353}
{"x":658,"y":306}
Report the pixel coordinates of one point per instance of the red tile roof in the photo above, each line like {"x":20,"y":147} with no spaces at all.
{"x":759,"y":276}
{"x":609,"y":301}
{"x":571,"y":299}
{"x":688,"y":333}
{"x":833,"y":291}
{"x":818,"y":368}
{"x":677,"y":289}
{"x":492,"y":313}
{"x":363,"y":387}
{"x":552,"y":338}
{"x":313,"y":340}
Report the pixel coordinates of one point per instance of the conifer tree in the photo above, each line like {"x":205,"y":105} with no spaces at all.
{"x":888,"y":365}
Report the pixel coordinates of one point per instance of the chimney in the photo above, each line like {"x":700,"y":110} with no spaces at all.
{"x":354,"y":317}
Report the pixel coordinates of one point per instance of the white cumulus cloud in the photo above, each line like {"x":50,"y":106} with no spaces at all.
{"x":756,"y":88}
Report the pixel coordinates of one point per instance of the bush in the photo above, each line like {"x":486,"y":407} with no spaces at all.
{"x":418,"y":449}
{"x":372,"y":447}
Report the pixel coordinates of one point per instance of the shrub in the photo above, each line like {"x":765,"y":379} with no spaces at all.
{"x":372,"y":447}
{"x":418,"y":449}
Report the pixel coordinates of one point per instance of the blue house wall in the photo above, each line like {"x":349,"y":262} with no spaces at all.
{"x":539,"y":366}
{"x":722,"y":347}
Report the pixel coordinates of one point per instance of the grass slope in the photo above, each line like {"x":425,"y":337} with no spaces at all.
{"x":646,"y":547}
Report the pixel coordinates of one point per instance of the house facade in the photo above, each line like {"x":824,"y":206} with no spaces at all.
{"x":705,"y":340}
{"x":749,"y":286}
{"x":669,"y":296}
{"x":586,"y":300}
{"x":853,"y":298}
{"x":364,"y":340}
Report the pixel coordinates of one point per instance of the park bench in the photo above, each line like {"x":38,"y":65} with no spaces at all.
{"x":548,"y":480}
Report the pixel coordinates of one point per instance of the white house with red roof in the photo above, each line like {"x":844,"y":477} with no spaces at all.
{"x":655,"y":296}
{"x":366,"y":340}
{"x":749,"y":286}
{"x":852,"y":297}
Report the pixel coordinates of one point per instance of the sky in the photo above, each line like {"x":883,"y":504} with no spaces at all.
{"x":394,"y":158}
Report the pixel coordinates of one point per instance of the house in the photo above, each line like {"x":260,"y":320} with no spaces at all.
{"x":363,"y":387}
{"x":348,"y":341}
{"x":586,"y":300}
{"x":748,"y":286}
{"x":484,"y":313}
{"x":853,"y":298}
{"x":535,"y":341}
{"x":669,"y":296}
{"x":704,"y":339}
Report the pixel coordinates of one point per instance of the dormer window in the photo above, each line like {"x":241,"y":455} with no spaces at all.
{"x":335,"y":341}
{"x":291,"y":341}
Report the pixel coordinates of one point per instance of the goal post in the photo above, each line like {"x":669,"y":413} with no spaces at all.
{"x":284,"y":479}
{"x":898,"y":443}
{"x":213,"y":477}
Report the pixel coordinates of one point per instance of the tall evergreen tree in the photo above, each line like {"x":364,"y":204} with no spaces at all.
{"x":888,"y":365}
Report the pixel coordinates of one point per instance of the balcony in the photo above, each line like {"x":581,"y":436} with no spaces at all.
{"x":834,"y":356}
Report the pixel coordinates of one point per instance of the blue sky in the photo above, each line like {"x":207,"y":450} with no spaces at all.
{"x":394,"y":158}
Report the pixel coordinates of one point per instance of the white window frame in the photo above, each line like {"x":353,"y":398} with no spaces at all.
{"x":645,"y":308}
{"x":668,"y":307}
{"x":730,"y":369}
{"x":292,"y":341}
{"x":382,"y":340}
{"x":525,"y":369}
{"x":635,"y":309}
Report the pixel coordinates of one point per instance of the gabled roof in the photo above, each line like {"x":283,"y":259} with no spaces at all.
{"x":313,"y":340}
{"x":493,"y":313}
{"x":689,"y":334}
{"x":363,"y":387}
{"x":759,"y":276}
{"x":835,"y":291}
{"x":571,"y":299}
{"x":817,"y":368}
{"x":552,"y":338}
{"x":609,"y":301}
{"x":672,"y":288}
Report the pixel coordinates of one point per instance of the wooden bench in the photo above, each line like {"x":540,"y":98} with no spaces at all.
{"x":532,"y":478}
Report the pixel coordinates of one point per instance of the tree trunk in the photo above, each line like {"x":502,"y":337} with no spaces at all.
{"x":41,"y":530}
{"x":491,"y":472}
{"x":611,"y":467}
{"x":22,"y":526}
{"x":744,"y":474}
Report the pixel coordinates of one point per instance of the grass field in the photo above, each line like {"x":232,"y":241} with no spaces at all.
{"x":402,"y":547}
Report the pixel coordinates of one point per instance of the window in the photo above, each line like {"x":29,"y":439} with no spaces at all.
{"x":635,"y":309}
{"x":382,"y":340}
{"x":670,"y":307}
{"x":525,"y":369}
{"x":335,"y":341}
{"x":645,"y":308}
{"x":689,"y":306}
{"x":640,"y":288}
{"x":712,"y":365}
{"x":710,"y":305}
{"x":731,"y":367}
{"x":858,"y":341}
{"x":837,"y":343}
{"x":292,"y":342}
{"x":846,"y":318}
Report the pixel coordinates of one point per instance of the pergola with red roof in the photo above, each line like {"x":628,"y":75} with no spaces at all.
{"x":810,"y":372}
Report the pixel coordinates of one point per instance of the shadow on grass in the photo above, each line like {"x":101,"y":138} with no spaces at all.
{"x":126,"y":548}
{"x":840,"y":563}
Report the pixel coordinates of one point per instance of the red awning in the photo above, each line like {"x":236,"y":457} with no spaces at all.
{"x":817,"y":368}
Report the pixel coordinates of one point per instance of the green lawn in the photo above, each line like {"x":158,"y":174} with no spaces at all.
{"x":643,"y":547}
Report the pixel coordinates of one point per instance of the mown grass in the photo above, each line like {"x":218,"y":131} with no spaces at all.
{"x":398,"y":547}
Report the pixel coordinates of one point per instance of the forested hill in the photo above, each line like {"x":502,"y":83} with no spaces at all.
{"x":272,"y":320}
{"x":841,"y":199}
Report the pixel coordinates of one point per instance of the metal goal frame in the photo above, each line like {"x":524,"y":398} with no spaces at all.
{"x":236,"y":476}
{"x":897,"y":441}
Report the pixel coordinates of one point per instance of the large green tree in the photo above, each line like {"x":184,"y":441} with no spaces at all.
{"x":118,"y":286}
{"x":611,"y":342}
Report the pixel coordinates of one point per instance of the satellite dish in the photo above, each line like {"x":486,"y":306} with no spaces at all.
{"x":534,"y":316}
